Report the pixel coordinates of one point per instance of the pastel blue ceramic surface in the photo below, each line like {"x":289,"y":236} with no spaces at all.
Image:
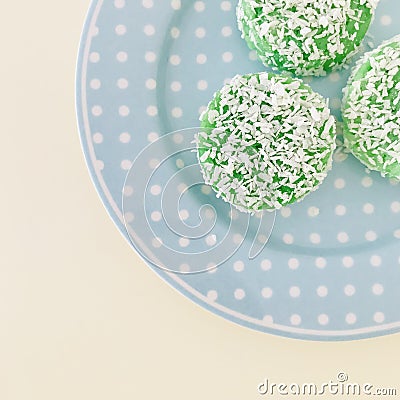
{"x":331,"y":269}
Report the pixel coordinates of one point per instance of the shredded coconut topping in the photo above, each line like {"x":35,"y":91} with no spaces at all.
{"x":268,"y":140}
{"x":371,"y":109}
{"x":307,"y":37}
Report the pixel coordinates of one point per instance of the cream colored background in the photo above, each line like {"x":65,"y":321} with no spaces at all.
{"x":81,"y":316}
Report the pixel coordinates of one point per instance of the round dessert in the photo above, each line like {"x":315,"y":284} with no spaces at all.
{"x":267,"y":141}
{"x":371,"y":109}
{"x":306,"y":37}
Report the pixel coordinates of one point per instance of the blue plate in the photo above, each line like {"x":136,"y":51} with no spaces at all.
{"x":331,"y":268}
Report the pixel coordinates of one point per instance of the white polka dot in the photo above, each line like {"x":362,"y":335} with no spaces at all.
{"x":97,"y":111}
{"x":267,"y":293}
{"x":184,"y":268}
{"x":209,"y":214}
{"x":123,"y":111}
{"x":200,"y":33}
{"x":183,"y":215}
{"x":94,"y":30}
{"x":122,"y":56}
{"x":313,"y":211}
{"x":237,"y":238}
{"x":122,"y":83}
{"x":286,"y":212}
{"x":367,"y":182}
{"x":307,"y":79}
{"x":201,"y":58}
{"x":340,"y":156}
{"x":396,"y":234}
{"x":119,"y":3}
{"x":315,"y":238}
{"x":199,"y":6}
{"x":226,"y":5}
{"x":379,"y":317}
{"x":386,"y":20}
{"x":153,"y":136}
{"x":376,"y":261}
{"x":238,"y":266}
{"x":394,"y":182}
{"x":294,"y":291}
{"x":149,"y":30}
{"x":377,"y":289}
{"x":178,"y":139}
{"x":368,"y":208}
{"x":175,"y":60}
{"x":268,"y":320}
{"x":151,"y":84}
{"x":266,"y":265}
{"x":349,"y":290}
{"x":154,"y":163}
{"x":253,"y":55}
{"x":126,"y":165}
{"x":129,"y":217}
{"x":334,"y":77}
{"x":205,"y":189}
{"x":240,"y":294}
{"x":227,"y":57}
{"x":128,"y":191}
{"x":147,"y":3}
{"x":184,"y":242}
{"x":175,"y":32}
{"x":152,"y":111}
{"x":182,"y":187}
{"x":348,"y":261}
{"x":322,"y":291}
{"x":295,"y":319}
{"x":176,"y":4}
{"x":202,"y":85}
{"x":340,"y":210}
{"x":342,"y":237}
{"x":156,"y":216}
{"x":323,"y":319}
{"x":288,"y":238}
{"x":226,"y":31}
{"x":336,"y":103}
{"x":212,"y":295}
{"x":351,"y":318}
{"x":157,"y":242}
{"x":262,"y":238}
{"x":340,"y":183}
{"x":395,"y":207}
{"x":177,"y":112}
{"x":150,"y":56}
{"x":293,"y":263}
{"x":211,"y":268}
{"x":176,"y":86}
{"x":94,"y":57}
{"x":211,"y":240}
{"x":98,"y":138}
{"x":99,"y":165}
{"x":155,"y":190}
{"x":120,"y":30}
{"x":202,"y":109}
{"x":95,"y":84}
{"x":371,"y":236}
{"x":320,"y":262}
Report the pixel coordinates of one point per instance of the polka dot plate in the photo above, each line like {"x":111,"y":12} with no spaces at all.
{"x":331,"y":267}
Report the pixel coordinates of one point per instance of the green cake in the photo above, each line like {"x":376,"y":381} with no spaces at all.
{"x":305,"y":37}
{"x":267,"y":141}
{"x":371,"y":109}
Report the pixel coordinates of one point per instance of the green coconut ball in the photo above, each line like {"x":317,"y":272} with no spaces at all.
{"x":266,"y":142}
{"x":371,"y":109}
{"x":305,"y":37}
